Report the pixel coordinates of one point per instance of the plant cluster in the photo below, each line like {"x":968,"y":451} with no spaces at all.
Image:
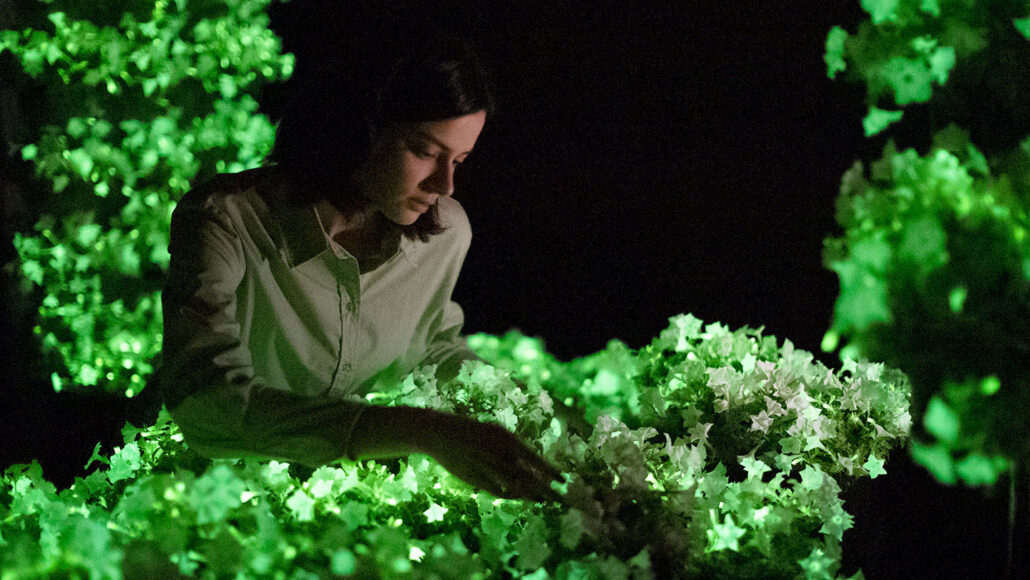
{"x":135,"y":102}
{"x":712,"y":453}
{"x":934,"y":260}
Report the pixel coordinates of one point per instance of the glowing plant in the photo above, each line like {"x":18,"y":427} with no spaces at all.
{"x":714,"y":454}
{"x":139,"y":102}
{"x":934,"y":260}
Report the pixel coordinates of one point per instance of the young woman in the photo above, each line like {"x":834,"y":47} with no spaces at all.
{"x":298,"y":287}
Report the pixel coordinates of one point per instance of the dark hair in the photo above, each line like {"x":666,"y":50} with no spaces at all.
{"x":326,"y":127}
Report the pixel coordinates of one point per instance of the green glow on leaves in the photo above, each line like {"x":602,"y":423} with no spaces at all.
{"x":725,"y":535}
{"x":1023,"y":26}
{"x":957,"y":299}
{"x":874,"y":466}
{"x":881,"y":10}
{"x":879,"y":119}
{"x":941,"y":421}
{"x":976,"y":469}
{"x":435,"y":513}
{"x":834,"y":56}
{"x":990,"y":385}
{"x":96,"y":148}
{"x":936,"y":459}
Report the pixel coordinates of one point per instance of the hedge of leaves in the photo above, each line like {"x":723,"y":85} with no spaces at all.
{"x":134,"y":100}
{"x":934,"y":259}
{"x":713,"y":453}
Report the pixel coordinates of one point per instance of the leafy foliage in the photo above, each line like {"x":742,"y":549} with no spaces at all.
{"x":908,"y":49}
{"x":713,"y":453}
{"x":934,"y":261}
{"x":139,"y":98}
{"x":935,"y":278}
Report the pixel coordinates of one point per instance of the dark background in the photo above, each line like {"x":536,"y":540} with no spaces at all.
{"x":649,"y":159}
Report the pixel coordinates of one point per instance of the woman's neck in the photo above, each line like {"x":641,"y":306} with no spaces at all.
{"x":367,"y":235}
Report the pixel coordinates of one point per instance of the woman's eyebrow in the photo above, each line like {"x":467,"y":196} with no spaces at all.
{"x":436,"y":141}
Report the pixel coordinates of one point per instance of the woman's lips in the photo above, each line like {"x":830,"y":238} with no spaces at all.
{"x":419,"y":205}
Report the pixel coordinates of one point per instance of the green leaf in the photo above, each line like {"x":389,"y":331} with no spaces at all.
{"x":941,"y":62}
{"x":879,"y":119}
{"x":724,"y":535}
{"x":941,"y":421}
{"x":435,"y":513}
{"x":124,"y":463}
{"x":834,"y":56}
{"x":301,"y":506}
{"x":533,"y":546}
{"x":1023,"y":26}
{"x":936,"y":459}
{"x":214,"y":494}
{"x":931,"y":7}
{"x":881,"y":10}
{"x":344,"y":563}
{"x":874,"y":466}
{"x":977,"y":469}
{"x":910,"y":79}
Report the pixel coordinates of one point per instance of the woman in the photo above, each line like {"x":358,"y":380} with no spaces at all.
{"x":296,"y":288}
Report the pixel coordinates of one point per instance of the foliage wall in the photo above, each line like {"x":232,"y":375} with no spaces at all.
{"x":934,"y":259}
{"x":130,"y":102}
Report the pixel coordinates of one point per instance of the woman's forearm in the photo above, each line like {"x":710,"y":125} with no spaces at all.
{"x":382,"y":432}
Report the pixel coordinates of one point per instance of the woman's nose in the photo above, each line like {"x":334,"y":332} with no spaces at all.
{"x":441,"y":182}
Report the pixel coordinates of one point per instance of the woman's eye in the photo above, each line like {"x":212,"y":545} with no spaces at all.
{"x":420,"y":152}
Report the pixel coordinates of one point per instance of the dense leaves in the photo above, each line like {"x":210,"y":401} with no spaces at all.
{"x":711,"y":453}
{"x":934,"y":260}
{"x":138,"y":103}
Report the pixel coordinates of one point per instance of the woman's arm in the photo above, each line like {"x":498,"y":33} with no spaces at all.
{"x":484,"y":455}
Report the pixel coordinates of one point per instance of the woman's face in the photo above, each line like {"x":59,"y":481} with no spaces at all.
{"x":412,"y":165}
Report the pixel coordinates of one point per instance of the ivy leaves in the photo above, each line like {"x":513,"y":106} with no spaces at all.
{"x":141,"y":104}
{"x":656,"y":489}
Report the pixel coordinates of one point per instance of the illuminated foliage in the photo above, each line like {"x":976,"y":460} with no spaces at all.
{"x":725,"y":460}
{"x":140,"y":99}
{"x":934,"y":260}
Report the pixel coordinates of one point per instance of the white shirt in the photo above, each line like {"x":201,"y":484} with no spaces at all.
{"x":272,"y":334}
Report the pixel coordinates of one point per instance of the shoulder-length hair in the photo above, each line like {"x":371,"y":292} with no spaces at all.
{"x":327,"y":125}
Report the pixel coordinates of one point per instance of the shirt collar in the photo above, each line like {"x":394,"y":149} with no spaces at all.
{"x":303,"y":235}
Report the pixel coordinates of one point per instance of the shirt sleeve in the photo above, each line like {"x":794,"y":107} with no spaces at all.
{"x":207,"y":377}
{"x":446,"y":343}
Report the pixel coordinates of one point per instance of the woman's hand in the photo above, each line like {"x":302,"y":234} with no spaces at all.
{"x":484,"y":455}
{"x":491,"y":458}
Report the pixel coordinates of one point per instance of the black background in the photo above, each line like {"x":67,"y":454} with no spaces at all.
{"x":648,"y":159}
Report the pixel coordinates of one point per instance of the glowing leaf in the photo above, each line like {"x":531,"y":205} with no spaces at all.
{"x":811,"y":477}
{"x":957,"y":299}
{"x":990,"y":385}
{"x":302,"y":506}
{"x":931,"y":7}
{"x":532,"y":545}
{"x":936,"y":459}
{"x":724,"y":535}
{"x":976,"y":469}
{"x":881,"y":10}
{"x":834,"y":57}
{"x":874,"y":466}
{"x":1023,"y":26}
{"x":124,"y":463}
{"x":941,"y":62}
{"x":941,"y":421}
{"x":343,"y":563}
{"x":818,"y":565}
{"x":435,"y":513}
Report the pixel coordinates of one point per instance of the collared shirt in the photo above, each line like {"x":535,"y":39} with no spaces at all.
{"x":272,"y":332}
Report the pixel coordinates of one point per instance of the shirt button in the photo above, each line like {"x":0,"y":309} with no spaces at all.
{"x":351,"y":306}
{"x":346,"y":367}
